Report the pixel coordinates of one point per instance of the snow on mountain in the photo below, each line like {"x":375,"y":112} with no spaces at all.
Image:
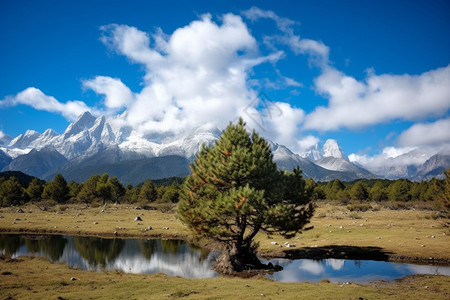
{"x":109,"y":141}
{"x":401,"y":166}
{"x":15,"y":152}
{"x":342,"y":165}
{"x":25,"y":140}
{"x":332,"y":157}
{"x":332,"y":149}
{"x":192,"y":143}
{"x":83,"y":122}
{"x":313,"y":153}
{"x":138,"y":144}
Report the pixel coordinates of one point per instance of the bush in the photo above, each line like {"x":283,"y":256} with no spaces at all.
{"x":359,"y":207}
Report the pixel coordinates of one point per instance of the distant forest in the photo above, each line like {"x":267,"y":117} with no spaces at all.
{"x":17,"y":188}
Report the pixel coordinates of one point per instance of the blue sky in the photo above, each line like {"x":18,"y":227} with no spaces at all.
{"x":373,"y":75}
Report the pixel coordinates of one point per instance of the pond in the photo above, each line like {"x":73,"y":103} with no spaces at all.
{"x":171,"y":257}
{"x":346,"y":270}
{"x":178,"y":258}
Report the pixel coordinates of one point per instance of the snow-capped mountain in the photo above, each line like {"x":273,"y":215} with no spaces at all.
{"x":90,"y":142}
{"x":332,"y":149}
{"x":25,"y":140}
{"x":313,"y":153}
{"x":417,"y":164}
{"x":288,"y":160}
{"x":36,"y":162}
{"x":331,"y":157}
{"x":93,"y":145}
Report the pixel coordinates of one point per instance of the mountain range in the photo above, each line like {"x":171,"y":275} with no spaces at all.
{"x":99,"y":145}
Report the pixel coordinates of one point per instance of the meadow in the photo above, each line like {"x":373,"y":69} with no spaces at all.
{"x":414,"y":235}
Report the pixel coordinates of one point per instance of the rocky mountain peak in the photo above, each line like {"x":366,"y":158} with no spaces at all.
{"x":84,"y":121}
{"x":24,"y":140}
{"x":332,"y":149}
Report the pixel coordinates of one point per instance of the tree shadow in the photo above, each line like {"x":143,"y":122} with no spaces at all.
{"x":340,"y":252}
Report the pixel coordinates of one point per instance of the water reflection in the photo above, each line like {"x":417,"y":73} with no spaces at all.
{"x":51,"y":247}
{"x":172,"y":257}
{"x":340,"y":270}
{"x":178,"y":258}
{"x":98,"y":251}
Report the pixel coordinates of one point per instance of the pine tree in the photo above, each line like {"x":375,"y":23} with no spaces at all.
{"x":359,"y":191}
{"x":236,"y":190}
{"x":399,"y":190}
{"x":88,"y":192}
{"x":56,"y":190}
{"x":35,"y":189}
{"x":171,"y":194}
{"x":117,"y":191}
{"x":378,"y":192}
{"x":148,"y":192}
{"x":11,"y":192}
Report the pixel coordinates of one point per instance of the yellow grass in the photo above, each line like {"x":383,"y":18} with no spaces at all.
{"x":28,"y":278}
{"x":402,"y":232}
{"x":412,"y":233}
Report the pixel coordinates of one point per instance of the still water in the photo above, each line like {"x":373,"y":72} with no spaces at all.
{"x":171,"y":257}
{"x":346,"y":270}
{"x":178,"y":258}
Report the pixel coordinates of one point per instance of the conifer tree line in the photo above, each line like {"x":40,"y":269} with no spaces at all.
{"x":98,"y":190}
{"x":103,"y":188}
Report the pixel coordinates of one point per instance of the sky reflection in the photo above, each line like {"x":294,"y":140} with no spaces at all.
{"x":177,"y":258}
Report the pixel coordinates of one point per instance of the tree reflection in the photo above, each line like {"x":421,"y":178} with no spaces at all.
{"x":204,"y":253}
{"x":98,"y":251}
{"x":52,"y":247}
{"x":148,"y":247}
{"x":10,"y":244}
{"x":171,"y":246}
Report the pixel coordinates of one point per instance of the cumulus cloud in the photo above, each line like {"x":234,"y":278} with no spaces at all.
{"x":307,"y":142}
{"x":379,"y":99}
{"x":117,"y":95}
{"x":393,"y":157}
{"x":197,"y":75}
{"x":429,"y":134}
{"x":38,"y":100}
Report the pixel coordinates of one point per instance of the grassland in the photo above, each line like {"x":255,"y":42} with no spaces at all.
{"x":407,"y":234}
{"x":400,"y":233}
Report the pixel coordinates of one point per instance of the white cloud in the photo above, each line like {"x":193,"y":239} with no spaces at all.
{"x":420,"y":134}
{"x":380,"y":99}
{"x":284,"y":126}
{"x":307,"y":142}
{"x":393,"y":152}
{"x":117,"y":94}
{"x":38,"y":100}
{"x":197,"y":75}
{"x":255,"y":13}
{"x":317,"y":50}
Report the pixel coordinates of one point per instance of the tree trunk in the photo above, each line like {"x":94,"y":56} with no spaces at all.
{"x":237,"y":259}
